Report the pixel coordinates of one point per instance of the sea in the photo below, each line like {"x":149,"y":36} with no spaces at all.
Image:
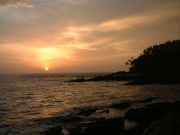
{"x":31,"y":103}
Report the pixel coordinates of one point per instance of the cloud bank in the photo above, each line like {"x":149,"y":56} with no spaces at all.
{"x":89,"y":35}
{"x":14,"y":3}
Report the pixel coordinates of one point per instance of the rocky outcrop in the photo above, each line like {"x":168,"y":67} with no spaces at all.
{"x":100,"y":127}
{"x":167,"y":125}
{"x":152,"y":119}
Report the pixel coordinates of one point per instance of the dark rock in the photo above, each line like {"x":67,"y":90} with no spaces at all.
{"x":70,"y":119}
{"x":76,"y":131}
{"x":150,"y":111}
{"x":104,"y":111}
{"x":54,"y":131}
{"x":4,"y":125}
{"x":117,"y":76}
{"x":167,"y":125}
{"x":105,"y":127}
{"x":77,"y":80}
{"x":135,"y":131}
{"x":87,"y":112}
{"x":152,"y":119}
{"x":122,"y":105}
{"x":145,"y":116}
{"x":113,"y":126}
{"x":150,"y":99}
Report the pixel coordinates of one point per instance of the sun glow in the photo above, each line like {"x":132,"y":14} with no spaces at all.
{"x":52,"y":57}
{"x":46,"y":68}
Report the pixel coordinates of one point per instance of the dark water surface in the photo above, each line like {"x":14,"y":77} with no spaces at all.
{"x":26,"y":99}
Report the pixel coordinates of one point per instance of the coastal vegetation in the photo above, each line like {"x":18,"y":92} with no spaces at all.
{"x":157,"y":64}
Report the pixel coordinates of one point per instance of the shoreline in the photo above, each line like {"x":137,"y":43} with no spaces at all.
{"x":123,"y":118}
{"x":131,"y":78}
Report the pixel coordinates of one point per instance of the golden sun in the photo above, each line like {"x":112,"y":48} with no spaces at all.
{"x":46,"y":68}
{"x":50,"y":57}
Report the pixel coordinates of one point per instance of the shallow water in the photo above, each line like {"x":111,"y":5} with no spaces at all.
{"x":26,"y":99}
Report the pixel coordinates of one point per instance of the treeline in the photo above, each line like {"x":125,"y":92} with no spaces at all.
{"x":159,"y":62}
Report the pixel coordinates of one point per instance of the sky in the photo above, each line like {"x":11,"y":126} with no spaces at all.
{"x":82,"y":35}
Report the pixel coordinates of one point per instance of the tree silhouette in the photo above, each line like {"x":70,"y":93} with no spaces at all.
{"x":159,"y":61}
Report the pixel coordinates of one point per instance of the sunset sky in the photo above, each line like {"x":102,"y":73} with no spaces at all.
{"x":81,"y":35}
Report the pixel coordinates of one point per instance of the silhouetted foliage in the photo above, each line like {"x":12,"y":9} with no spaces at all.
{"x":157,"y":64}
{"x":158,"y":61}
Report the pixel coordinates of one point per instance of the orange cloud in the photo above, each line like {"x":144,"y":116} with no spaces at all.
{"x":15,"y":3}
{"x":118,"y":24}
